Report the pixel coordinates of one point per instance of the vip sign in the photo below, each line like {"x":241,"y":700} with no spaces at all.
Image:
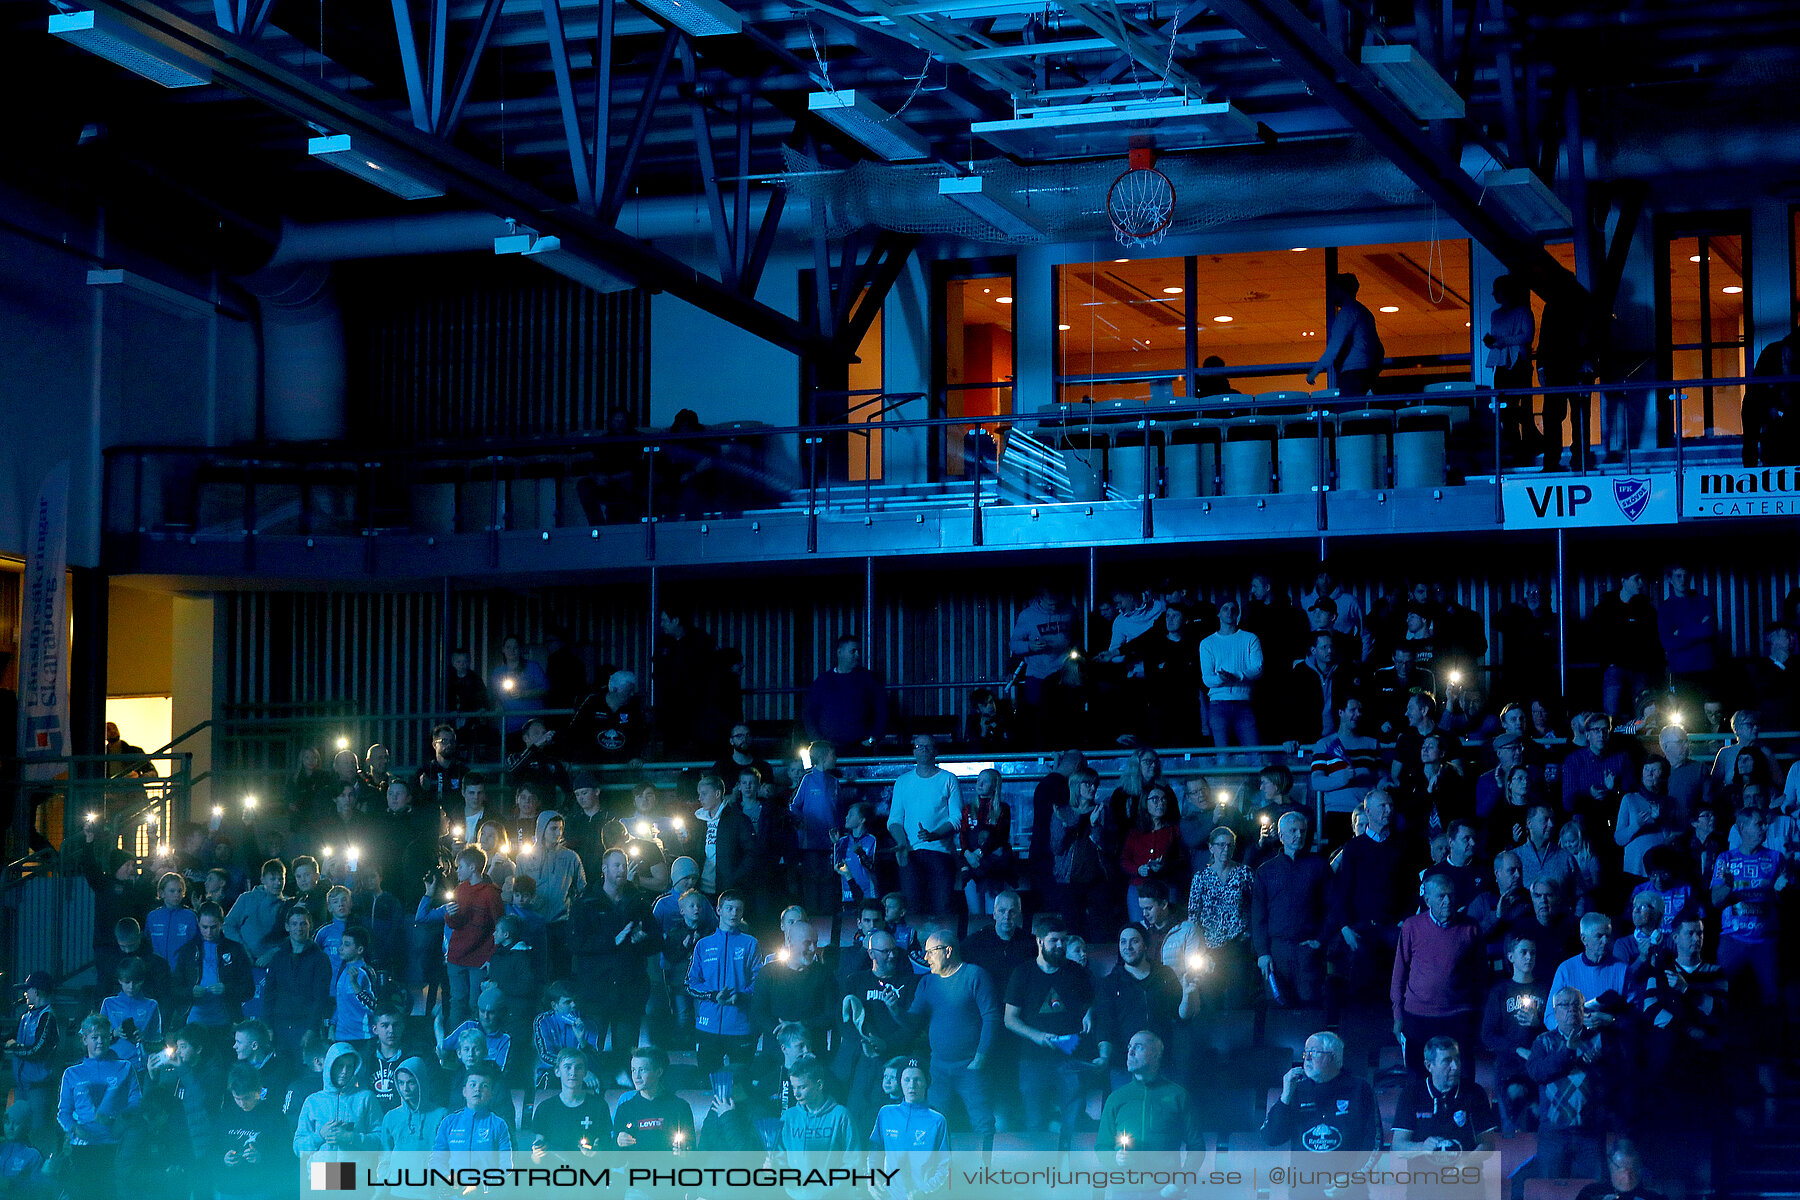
{"x":1588,"y":502}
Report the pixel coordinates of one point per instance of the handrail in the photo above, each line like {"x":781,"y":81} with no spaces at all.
{"x":490,"y":451}
{"x":206,"y":724}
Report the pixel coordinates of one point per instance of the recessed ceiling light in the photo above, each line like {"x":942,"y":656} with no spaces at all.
{"x":1223,"y":320}
{"x":1731,"y":291}
{"x":1171,"y":291}
{"x":986,"y":291}
{"x":1002,"y":299}
{"x":1693,"y":258}
{"x":1121,"y":260}
{"x":1062,"y":327}
{"x":1390,"y":308}
{"x":1297,"y":249}
{"x":1465,"y":324}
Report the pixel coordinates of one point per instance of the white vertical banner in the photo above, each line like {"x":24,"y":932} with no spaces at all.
{"x":44,"y":636}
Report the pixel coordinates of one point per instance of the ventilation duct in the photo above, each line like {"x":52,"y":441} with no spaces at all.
{"x":1066,"y":201}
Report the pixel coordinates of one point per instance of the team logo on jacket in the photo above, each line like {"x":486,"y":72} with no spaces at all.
{"x":1343,"y":1106}
{"x":612,"y":739}
{"x":1322,"y":1137}
{"x":1461,"y":1118}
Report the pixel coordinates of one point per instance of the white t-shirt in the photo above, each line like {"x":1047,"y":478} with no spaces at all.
{"x":931,"y":803}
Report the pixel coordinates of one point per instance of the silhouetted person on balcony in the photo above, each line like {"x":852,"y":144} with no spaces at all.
{"x":1508,"y":340}
{"x":1564,"y":360}
{"x":615,"y":490}
{"x":1353,"y":353}
{"x":1772,"y":410}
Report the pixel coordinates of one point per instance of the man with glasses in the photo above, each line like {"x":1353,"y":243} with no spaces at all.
{"x":1577,"y":1066}
{"x":876,"y":995}
{"x":1324,"y":1111}
{"x":958,"y":1007}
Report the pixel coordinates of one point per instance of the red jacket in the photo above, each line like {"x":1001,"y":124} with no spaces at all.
{"x":478,"y":910}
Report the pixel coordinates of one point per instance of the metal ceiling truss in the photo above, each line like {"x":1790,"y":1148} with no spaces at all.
{"x":239,"y":66}
{"x":246,"y":18}
{"x":1429,"y":157}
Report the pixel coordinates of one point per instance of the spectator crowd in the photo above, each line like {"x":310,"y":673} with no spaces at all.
{"x":1573,"y":934}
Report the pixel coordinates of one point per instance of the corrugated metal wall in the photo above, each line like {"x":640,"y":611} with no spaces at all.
{"x":348,"y":654}
{"x":464,"y":350}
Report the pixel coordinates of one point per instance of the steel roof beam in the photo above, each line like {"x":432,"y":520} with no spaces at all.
{"x":1286,"y":34}
{"x":244,"y":70}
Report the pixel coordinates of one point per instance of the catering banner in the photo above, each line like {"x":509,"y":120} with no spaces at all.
{"x":44,"y":636}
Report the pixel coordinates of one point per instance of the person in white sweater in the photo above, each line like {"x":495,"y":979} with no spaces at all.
{"x":923,"y":818}
{"x":1231,"y":661}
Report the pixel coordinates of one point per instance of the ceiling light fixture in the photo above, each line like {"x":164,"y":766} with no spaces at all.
{"x":1002,"y":299}
{"x":1412,"y":82}
{"x":1693,"y":258}
{"x":1171,"y":291}
{"x":335,"y":150}
{"x":548,"y":253}
{"x":872,"y":126}
{"x":1120,"y":260}
{"x":1390,"y":308}
{"x":698,"y":18}
{"x":997,"y":209}
{"x":157,"y":295}
{"x":100,"y":35}
{"x":1296,"y":249}
{"x":1224,"y":320}
{"x":1528,"y":200}
{"x":1732,"y":290}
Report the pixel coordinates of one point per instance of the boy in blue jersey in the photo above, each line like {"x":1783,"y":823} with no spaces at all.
{"x":354,"y":991}
{"x":135,"y":1018}
{"x":96,"y":1099}
{"x":913,"y":1138}
{"x":854,"y":855}
{"x":559,"y":1029}
{"x":474,"y":1135}
{"x":722,"y":979}
{"x":33,"y":1051}
{"x":337,"y":903}
{"x":172,"y":924}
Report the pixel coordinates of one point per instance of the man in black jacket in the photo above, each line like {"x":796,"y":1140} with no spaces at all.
{"x":612,"y":935}
{"x":1374,"y":887}
{"x":1623,"y":635}
{"x":297,"y":985}
{"x":1287,"y":916}
{"x":212,"y":975}
{"x":1324,"y":1111}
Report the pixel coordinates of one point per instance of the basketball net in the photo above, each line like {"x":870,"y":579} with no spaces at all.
{"x":1141,"y":202}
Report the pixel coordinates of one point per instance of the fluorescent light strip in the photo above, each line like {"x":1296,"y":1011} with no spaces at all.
{"x":106,"y":38}
{"x":873,"y":127}
{"x":335,"y":150}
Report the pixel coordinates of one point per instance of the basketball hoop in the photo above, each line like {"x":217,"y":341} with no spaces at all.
{"x":1141,"y":202}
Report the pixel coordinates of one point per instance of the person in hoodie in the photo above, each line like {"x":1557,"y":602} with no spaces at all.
{"x":722,"y":981}
{"x":574,"y":1120}
{"x":250,"y":1139}
{"x":354,"y":990}
{"x":470,"y":916}
{"x":342,"y":1115}
{"x":310,"y":1074}
{"x":514,"y":974}
{"x":474,"y":1135}
{"x":388,"y":1051}
{"x":136,"y":1018}
{"x":33,"y":1049}
{"x":560,"y":879}
{"x":913,"y":1139}
{"x":815,"y":1132}
{"x":96,"y":1098}
{"x":254,"y":921}
{"x":412,"y":1125}
{"x":297,"y":984}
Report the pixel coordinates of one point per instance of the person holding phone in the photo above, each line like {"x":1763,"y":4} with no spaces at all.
{"x":612,"y":936}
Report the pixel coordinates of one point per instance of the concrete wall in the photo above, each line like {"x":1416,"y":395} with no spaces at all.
{"x":85,"y":367}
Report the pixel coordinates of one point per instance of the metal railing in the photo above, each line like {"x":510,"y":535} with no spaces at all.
{"x":751,"y":469}
{"x":93,"y":812}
